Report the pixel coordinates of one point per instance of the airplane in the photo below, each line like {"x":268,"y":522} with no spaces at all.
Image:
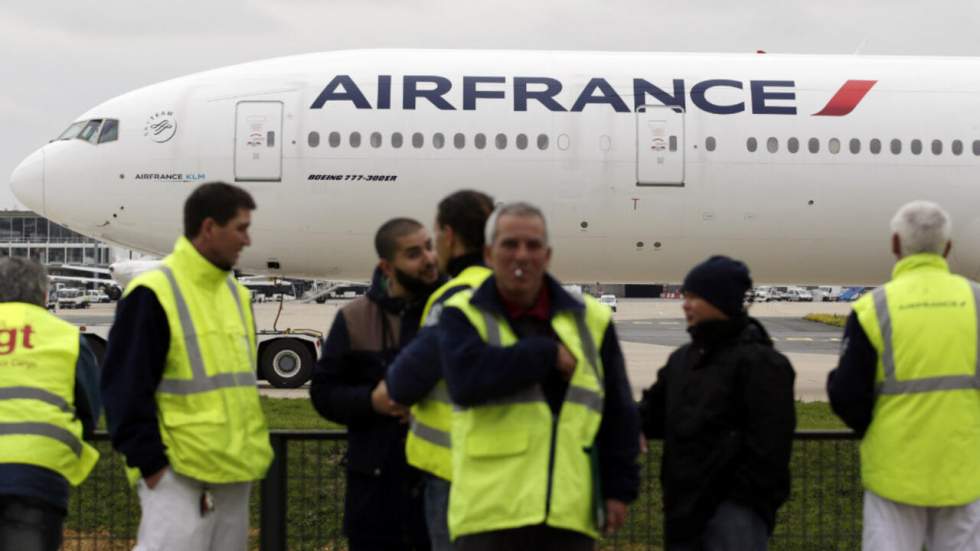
{"x":644,"y":163}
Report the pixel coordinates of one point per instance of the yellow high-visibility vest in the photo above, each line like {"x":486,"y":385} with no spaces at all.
{"x":38,"y":357}
{"x":923,"y":445}
{"x":208,"y":404}
{"x":429,"y":440}
{"x":514,"y":463}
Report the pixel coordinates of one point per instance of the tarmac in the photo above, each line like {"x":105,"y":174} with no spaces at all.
{"x":649,"y":330}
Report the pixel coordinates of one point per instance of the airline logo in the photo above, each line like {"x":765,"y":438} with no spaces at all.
{"x":760,"y":97}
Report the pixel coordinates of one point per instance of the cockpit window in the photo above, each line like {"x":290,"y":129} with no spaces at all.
{"x":73,"y":130}
{"x":110,"y":131}
{"x":91,"y":131}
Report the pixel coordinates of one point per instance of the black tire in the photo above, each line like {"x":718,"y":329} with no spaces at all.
{"x":286,"y":363}
{"x":114,"y":293}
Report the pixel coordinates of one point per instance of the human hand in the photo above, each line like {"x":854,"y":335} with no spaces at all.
{"x":154,"y":479}
{"x":616,"y":512}
{"x":644,"y":448}
{"x":382,"y":403}
{"x":566,"y":362}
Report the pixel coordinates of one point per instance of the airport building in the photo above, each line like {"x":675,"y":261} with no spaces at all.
{"x":25,"y":233}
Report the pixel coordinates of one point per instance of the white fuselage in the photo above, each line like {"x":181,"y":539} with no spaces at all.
{"x":631,"y":188}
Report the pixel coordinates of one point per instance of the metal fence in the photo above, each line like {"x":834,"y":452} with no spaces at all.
{"x":299,"y":506}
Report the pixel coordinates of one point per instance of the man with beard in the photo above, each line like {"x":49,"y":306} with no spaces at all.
{"x":383,"y":508}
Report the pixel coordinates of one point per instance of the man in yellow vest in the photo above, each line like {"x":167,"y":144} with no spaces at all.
{"x":909,"y":382}
{"x":49,"y":403}
{"x":545,"y":432}
{"x":415,"y":379}
{"x":179,"y":383}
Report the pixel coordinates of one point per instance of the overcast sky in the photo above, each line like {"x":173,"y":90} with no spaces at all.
{"x":58,"y":58}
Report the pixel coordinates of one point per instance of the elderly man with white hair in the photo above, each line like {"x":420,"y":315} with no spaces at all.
{"x":909,"y":382}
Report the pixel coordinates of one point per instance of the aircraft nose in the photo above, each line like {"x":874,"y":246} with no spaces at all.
{"x":27,"y":182}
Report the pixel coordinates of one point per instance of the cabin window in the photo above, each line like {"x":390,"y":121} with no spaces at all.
{"x":772,"y":145}
{"x":751,"y":144}
{"x":792,"y":145}
{"x":438,"y":140}
{"x":896,"y":146}
{"x":418,"y":140}
{"x":833,"y":145}
{"x":813,"y":145}
{"x":543,"y":142}
{"x":355,"y":139}
{"x":874,"y":146}
{"x":916,"y":147}
{"x":334,"y":139}
{"x":396,"y":139}
{"x":91,"y":131}
{"x":500,"y":140}
{"x":376,"y":139}
{"x":976,"y":147}
{"x":855,"y":146}
{"x":480,"y":141}
{"x":937,"y":147}
{"x":521,"y":141}
{"x":957,"y":147}
{"x":110,"y":131}
{"x":459,"y":141}
{"x":710,"y":144}
{"x":313,"y":139}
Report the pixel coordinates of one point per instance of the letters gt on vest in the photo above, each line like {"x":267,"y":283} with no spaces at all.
{"x":9,"y":338}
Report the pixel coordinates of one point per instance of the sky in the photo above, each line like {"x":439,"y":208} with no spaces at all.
{"x":58,"y":58}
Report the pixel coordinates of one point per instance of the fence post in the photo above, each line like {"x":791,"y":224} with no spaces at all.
{"x":272,"y":507}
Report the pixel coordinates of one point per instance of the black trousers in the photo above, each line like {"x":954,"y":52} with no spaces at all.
{"x":526,"y":538}
{"x":29,"y":524}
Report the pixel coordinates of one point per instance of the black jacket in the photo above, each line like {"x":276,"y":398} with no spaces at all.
{"x":851,"y":387}
{"x":724,"y":406}
{"x":384,"y":499}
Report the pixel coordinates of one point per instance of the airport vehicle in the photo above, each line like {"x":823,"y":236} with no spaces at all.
{"x":91,"y":277}
{"x":797,"y":294}
{"x":644,"y":163}
{"x":608,"y":300}
{"x":71,"y":298}
{"x":851,"y":294}
{"x":97,"y":297}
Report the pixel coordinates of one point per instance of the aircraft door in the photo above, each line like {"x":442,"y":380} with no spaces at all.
{"x":660,"y":146}
{"x":258,"y":141}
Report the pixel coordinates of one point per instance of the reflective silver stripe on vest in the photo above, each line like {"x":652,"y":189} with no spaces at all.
{"x":891,"y":385}
{"x":200,"y":381}
{"x":431,"y":434}
{"x":241,"y":313}
{"x":493,"y":330}
{"x":31,"y":393}
{"x":43,"y":429}
{"x":588,"y":344}
{"x":588,"y":398}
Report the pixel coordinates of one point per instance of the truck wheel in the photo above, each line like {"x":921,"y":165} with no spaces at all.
{"x":286,"y":363}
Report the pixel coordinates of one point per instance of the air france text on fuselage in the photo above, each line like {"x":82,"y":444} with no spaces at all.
{"x":761,"y":97}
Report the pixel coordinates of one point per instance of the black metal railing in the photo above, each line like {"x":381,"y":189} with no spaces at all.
{"x":299,"y":505}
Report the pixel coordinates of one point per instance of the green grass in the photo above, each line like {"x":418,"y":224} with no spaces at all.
{"x":836,"y":320}
{"x":824,"y":492}
{"x":295,"y":414}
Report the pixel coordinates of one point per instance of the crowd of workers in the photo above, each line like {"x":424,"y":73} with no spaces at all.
{"x":487,"y":407}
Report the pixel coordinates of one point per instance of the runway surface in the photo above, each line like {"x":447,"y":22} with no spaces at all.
{"x":649,"y":329}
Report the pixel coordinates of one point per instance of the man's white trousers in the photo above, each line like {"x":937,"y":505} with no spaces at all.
{"x":891,"y":526}
{"x":172,"y":520}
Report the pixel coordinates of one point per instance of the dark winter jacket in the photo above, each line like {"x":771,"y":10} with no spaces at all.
{"x":384,"y":500}
{"x":723,"y":405}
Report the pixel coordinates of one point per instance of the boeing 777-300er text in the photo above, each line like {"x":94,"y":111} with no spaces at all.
{"x":643,"y":163}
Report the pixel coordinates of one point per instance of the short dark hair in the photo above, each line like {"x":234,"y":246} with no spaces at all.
{"x":466,"y":212}
{"x":22,"y":280}
{"x":216,"y":200}
{"x":386,"y":239}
